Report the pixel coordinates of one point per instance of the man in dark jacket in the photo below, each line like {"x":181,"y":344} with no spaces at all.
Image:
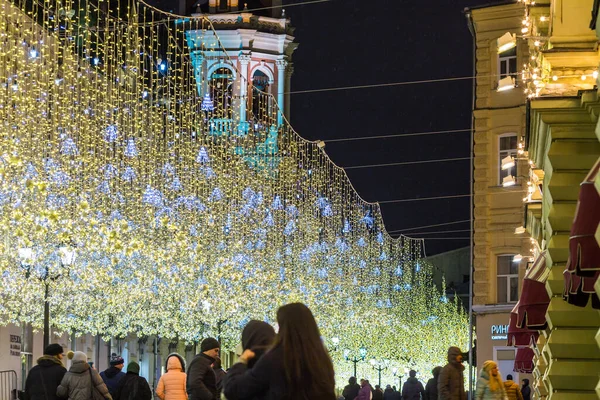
{"x":44,"y":378}
{"x":526,"y":390}
{"x":451,"y":382}
{"x":113,"y":375}
{"x":201,"y":379}
{"x":133,"y":386}
{"x":412,"y":388}
{"x":351,"y":390}
{"x":431,"y":391}
{"x":377,"y":393}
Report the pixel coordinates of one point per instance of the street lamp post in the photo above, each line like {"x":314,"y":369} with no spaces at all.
{"x":28,"y":256}
{"x":355,"y":359}
{"x":379,"y":366}
{"x":397,"y":374}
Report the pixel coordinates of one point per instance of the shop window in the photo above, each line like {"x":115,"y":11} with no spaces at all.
{"x":223,"y":5}
{"x":507,"y":146}
{"x":507,"y":287}
{"x":507,"y":63}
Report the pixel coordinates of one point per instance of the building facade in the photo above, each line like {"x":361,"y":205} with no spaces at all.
{"x":451,"y":274}
{"x":499,"y":118}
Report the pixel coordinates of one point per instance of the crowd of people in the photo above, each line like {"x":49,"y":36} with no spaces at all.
{"x":292,"y":364}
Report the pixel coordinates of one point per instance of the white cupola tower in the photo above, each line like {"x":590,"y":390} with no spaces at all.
{"x":257,"y":59}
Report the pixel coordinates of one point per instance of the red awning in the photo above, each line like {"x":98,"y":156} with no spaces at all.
{"x":520,"y":337}
{"x":529,"y":314}
{"x":524,"y":360}
{"x":583,"y":265}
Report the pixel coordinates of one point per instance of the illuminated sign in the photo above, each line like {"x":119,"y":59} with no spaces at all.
{"x":499,"y":332}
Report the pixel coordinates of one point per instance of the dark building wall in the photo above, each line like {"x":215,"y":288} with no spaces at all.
{"x":454,"y":267}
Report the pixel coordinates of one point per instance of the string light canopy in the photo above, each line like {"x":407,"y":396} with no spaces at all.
{"x":183,"y":221}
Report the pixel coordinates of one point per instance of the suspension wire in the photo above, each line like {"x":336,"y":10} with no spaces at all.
{"x":395,"y":135}
{"x":436,"y":232}
{"x":440,"y":238}
{"x":424,"y":199}
{"x":281,"y":6}
{"x":408,"y":163}
{"x":431,"y":226}
{"x":390,"y":84}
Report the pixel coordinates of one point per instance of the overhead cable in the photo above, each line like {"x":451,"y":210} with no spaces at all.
{"x":436,"y":232}
{"x":396,"y":135}
{"x":424,"y":199}
{"x":408,"y":163}
{"x":431,"y":226}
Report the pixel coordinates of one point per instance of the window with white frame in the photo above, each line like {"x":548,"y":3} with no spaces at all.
{"x":507,"y":63}
{"x":507,"y":281}
{"x":507,"y":146}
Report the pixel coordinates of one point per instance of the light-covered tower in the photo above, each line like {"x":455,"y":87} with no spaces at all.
{"x":249,"y":54}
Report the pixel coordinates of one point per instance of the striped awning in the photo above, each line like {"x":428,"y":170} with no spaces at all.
{"x":583,"y":265}
{"x":529,"y":314}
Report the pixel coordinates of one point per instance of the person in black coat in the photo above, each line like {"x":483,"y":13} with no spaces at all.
{"x":351,"y":390}
{"x":43,"y":379}
{"x":431,"y":390}
{"x":526,"y":390}
{"x":297,"y":366}
{"x":257,"y":336}
{"x":201,"y":378}
{"x":133,"y":386}
{"x":412,"y":388}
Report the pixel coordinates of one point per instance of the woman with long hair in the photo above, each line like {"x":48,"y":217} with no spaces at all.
{"x":489,"y":384}
{"x":297,"y":367}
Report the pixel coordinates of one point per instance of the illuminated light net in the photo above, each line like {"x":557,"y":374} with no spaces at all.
{"x":185,"y":223}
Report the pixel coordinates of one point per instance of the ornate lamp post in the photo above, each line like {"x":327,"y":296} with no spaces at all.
{"x":379,"y":366}
{"x":28,"y":259}
{"x":355,"y":359}
{"x":397,"y":374}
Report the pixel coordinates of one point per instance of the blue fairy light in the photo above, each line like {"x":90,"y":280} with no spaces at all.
{"x":111,"y":133}
{"x":292,"y":210}
{"x":327,"y":211}
{"x":383,"y":256}
{"x":176,"y":184}
{"x":207,"y":103}
{"x":68,"y":147}
{"x":376,"y":271}
{"x":276,"y":204}
{"x":268,"y":221}
{"x":131,"y":148}
{"x":361,"y":242}
{"x":216,"y":195}
{"x":152,"y":196}
{"x":209,"y":173}
{"x":368,"y":220}
{"x":399,"y":271}
{"x":129,"y":174}
{"x":289,"y":228}
{"x":103,"y":187}
{"x":347,"y":227}
{"x":167,"y":169}
{"x":380,"y":237}
{"x":202,"y":156}
{"x":110,"y":171}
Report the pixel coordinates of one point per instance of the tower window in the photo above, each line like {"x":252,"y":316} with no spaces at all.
{"x":507,"y":63}
{"x":260,"y":86}
{"x":223,"y":5}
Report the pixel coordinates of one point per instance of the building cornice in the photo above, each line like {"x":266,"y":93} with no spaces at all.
{"x":492,"y":308}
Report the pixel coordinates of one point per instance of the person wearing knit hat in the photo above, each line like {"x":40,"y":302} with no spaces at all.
{"x":49,"y":371}
{"x":133,"y":386}
{"x":201,"y":378}
{"x":82,"y":381}
{"x":489,"y":384}
{"x":113,"y":375}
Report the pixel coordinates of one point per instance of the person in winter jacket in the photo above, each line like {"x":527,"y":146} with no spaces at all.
{"x":351,"y":389}
{"x":172,"y":384}
{"x":365,"y":392}
{"x":513,"y":392}
{"x":257,"y":336}
{"x":526,"y":390}
{"x":451,"y":381}
{"x":201,"y":380}
{"x":219,"y":374}
{"x":44,"y":378}
{"x":431,"y":390}
{"x":489,"y":384}
{"x":377,"y":393}
{"x":296,"y":367}
{"x":412,"y":388}
{"x":113,"y":375}
{"x":133,"y":386}
{"x":82,"y":382}
{"x":388,"y":393}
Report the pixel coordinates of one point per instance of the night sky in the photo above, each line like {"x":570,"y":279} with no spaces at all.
{"x":352,"y":42}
